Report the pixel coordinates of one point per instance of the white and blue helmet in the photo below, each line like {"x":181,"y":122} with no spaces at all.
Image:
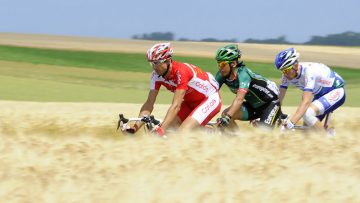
{"x":286,"y":58}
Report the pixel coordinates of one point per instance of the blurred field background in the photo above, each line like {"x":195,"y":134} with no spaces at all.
{"x":68,"y":75}
{"x":60,"y":97}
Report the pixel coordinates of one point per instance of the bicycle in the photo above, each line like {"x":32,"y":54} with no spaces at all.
{"x":150,"y":124}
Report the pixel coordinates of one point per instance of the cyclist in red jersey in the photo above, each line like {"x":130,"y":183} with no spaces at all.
{"x":196,"y":92}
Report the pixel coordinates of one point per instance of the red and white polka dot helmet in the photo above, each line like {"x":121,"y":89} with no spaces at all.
{"x":159,"y":52}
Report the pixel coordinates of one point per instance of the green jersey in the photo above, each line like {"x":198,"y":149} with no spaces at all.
{"x":259,"y":90}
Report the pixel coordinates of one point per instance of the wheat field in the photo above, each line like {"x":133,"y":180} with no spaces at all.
{"x":70,"y":152}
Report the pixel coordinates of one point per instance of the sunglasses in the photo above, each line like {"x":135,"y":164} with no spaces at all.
{"x":223,"y":63}
{"x":154,"y":63}
{"x":286,"y":70}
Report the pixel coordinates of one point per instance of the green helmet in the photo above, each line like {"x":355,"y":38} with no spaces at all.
{"x":228,"y":53}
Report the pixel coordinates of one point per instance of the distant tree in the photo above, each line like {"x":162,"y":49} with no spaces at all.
{"x":184,"y":39}
{"x":167,"y":36}
{"x":217,"y":40}
{"x":279,"y":40}
{"x":343,"y":39}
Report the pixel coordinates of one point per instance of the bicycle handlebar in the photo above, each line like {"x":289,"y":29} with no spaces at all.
{"x":149,"y":121}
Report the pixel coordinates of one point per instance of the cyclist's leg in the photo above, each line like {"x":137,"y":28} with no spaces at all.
{"x":270,"y":114}
{"x":184,"y":112}
{"x":202,"y":113}
{"x":310,"y":117}
{"x":322,"y":106}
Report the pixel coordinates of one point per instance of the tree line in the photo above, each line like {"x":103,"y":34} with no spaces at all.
{"x":348,"y":38}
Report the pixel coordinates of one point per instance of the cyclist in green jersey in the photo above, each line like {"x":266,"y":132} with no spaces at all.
{"x":256,"y":96}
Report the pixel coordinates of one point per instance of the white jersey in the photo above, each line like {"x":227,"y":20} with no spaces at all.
{"x":316,"y":78}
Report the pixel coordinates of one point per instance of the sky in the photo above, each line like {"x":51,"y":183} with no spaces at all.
{"x":192,"y":19}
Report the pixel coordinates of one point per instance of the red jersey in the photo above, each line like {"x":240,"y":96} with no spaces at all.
{"x":183,"y":76}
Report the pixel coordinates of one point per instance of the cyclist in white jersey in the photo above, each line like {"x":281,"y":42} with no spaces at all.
{"x":323,"y":89}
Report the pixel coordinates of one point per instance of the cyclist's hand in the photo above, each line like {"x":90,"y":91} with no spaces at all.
{"x":159,"y":131}
{"x":255,"y":122}
{"x":223,"y":121}
{"x":289,"y":125}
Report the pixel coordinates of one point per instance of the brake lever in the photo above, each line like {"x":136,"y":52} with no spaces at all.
{"x":122,"y":121}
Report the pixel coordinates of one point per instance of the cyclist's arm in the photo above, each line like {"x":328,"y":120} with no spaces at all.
{"x":244,"y":84}
{"x":310,"y":78}
{"x":283,"y":87}
{"x":147,"y":107}
{"x":236,"y":104}
{"x":174,"y":108}
{"x":305,"y":103}
{"x":282,"y":94}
